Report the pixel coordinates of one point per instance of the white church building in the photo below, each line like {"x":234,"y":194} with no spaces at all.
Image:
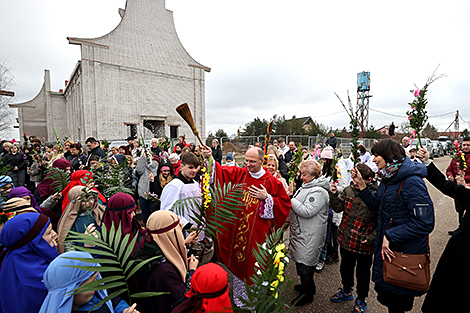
{"x":131,"y":78}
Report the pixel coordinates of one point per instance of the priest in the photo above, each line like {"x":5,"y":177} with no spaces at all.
{"x":266,"y":207}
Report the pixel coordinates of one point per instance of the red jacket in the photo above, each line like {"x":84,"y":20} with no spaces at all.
{"x":453,"y":169}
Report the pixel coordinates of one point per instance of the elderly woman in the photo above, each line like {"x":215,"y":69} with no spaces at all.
{"x":15,"y":159}
{"x":308,"y":222}
{"x":402,"y":195}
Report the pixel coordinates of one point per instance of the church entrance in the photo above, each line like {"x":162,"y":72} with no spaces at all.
{"x":156,"y":127}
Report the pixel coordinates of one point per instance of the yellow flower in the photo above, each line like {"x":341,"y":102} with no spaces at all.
{"x":275,"y":283}
{"x":280,"y":247}
{"x":276,"y":295}
{"x":281,"y":267}
{"x":280,"y":277}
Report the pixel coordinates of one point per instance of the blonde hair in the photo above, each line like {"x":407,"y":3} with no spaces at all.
{"x":272,"y":157}
{"x":68,"y":141}
{"x":310,"y":166}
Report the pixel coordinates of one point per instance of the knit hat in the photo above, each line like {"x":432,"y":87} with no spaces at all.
{"x":229,"y":156}
{"x":327,"y":153}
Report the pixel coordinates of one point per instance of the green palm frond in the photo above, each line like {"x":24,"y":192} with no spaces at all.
{"x":59,"y":177}
{"x":225,"y":200}
{"x":113,"y":252}
{"x":263,"y":296}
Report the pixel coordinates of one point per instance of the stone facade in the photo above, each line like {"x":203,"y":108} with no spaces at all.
{"x":135,"y":75}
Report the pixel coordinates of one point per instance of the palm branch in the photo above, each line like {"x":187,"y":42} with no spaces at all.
{"x":262,"y":295}
{"x":60,"y":179}
{"x":113,"y":252}
{"x":225,"y":199}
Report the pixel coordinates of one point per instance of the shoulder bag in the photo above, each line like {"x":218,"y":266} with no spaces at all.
{"x":411,"y":271}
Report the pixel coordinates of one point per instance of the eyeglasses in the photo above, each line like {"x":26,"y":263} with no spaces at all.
{"x":252,"y":161}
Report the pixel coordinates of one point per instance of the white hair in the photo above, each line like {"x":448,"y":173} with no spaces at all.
{"x":174,"y":156}
{"x":154,"y":139}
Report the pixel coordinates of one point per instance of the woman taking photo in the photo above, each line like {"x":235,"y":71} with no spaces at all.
{"x":308,"y":222}
{"x":403,"y":193}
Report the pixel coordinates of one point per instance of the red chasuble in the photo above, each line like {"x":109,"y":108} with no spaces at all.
{"x":235,"y":246}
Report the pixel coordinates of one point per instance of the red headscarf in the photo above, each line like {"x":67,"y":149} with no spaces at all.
{"x":209,"y":291}
{"x":76,"y":180}
{"x":120,"y":207}
{"x":45,"y":187}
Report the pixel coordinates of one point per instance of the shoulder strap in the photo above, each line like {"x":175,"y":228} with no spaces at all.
{"x":396,"y":202}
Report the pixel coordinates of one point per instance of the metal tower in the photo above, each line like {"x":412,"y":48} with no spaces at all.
{"x":363,"y":95}
{"x":456,"y":124}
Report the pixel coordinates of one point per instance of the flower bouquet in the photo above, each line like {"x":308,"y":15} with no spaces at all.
{"x":269,"y":288}
{"x":150,"y":196}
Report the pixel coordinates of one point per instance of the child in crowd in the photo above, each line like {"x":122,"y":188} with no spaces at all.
{"x":356,"y":236}
{"x":60,"y":279}
{"x":183,"y":186}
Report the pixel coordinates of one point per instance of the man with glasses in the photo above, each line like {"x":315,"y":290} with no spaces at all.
{"x":266,"y":206}
{"x":454,"y":173}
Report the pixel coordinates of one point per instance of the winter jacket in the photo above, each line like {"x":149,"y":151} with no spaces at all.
{"x":217,"y":154}
{"x":155,"y":186}
{"x":453,"y":169}
{"x":142,"y":171}
{"x":358,"y":223}
{"x":332,"y":141}
{"x":282,"y":168}
{"x":77,"y":160}
{"x":413,"y":220}
{"x":35,"y":172}
{"x":452,"y":272}
{"x":13,"y":160}
{"x":308,"y":221}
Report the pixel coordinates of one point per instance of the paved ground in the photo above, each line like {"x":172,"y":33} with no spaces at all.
{"x":329,"y":280}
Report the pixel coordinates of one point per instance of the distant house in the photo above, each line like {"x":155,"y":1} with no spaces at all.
{"x":384,"y":131}
{"x":295,"y":123}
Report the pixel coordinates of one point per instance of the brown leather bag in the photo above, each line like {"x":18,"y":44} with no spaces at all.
{"x":411,"y":271}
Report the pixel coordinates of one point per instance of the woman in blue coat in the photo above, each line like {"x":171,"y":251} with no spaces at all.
{"x":413,"y":219}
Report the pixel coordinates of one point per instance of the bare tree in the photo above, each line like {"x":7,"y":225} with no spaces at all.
{"x":6,"y":113}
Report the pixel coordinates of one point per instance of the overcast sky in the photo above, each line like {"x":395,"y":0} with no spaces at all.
{"x":272,"y":57}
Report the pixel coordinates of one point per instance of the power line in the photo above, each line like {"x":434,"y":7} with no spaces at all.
{"x":395,"y":115}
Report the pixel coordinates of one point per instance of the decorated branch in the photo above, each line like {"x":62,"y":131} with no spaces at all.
{"x":113,"y":178}
{"x":293,"y":165}
{"x":418,"y":114}
{"x":354,"y":128}
{"x":113,"y":253}
{"x":61,"y":150}
{"x":266,"y":142}
{"x":459,"y":157}
{"x":269,"y":287}
{"x":336,"y":174}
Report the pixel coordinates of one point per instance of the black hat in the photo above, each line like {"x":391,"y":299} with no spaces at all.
{"x":129,"y":138}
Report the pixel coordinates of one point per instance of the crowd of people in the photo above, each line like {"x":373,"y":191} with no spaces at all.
{"x":357,"y":212}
